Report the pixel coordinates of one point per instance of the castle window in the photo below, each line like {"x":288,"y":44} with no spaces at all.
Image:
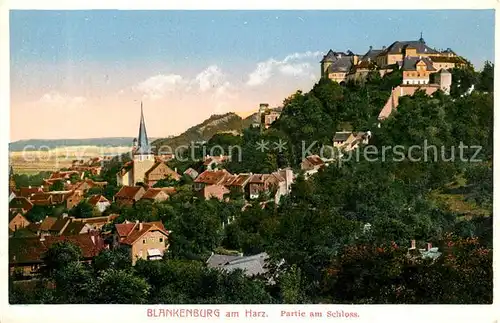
{"x":143,"y":241}
{"x":161,"y":239}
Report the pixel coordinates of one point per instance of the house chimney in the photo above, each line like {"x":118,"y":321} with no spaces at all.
{"x":429,"y":246}
{"x":93,"y":239}
{"x":29,"y":186}
{"x":140,"y":226}
{"x":413,"y":244}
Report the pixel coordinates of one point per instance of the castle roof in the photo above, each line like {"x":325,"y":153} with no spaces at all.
{"x":410,"y":63}
{"x":419,"y":45}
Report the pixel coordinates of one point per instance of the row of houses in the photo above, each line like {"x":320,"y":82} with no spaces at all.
{"x":128,"y":195}
{"x":219,"y":183}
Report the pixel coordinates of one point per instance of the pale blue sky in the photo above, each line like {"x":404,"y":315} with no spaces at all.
{"x":93,"y":67}
{"x":237,"y":36}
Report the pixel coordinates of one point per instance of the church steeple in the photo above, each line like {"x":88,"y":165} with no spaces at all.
{"x":142,"y":140}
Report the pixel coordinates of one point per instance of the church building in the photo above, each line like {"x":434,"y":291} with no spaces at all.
{"x":143,"y":164}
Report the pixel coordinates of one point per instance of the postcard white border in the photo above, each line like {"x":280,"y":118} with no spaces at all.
{"x":138,"y":313}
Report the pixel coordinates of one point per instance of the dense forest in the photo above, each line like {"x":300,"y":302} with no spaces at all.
{"x":342,"y":235}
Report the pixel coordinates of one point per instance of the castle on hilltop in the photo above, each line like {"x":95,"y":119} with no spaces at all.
{"x":423,"y":68}
{"x":415,"y":59}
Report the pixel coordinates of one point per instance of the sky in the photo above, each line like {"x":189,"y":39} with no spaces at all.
{"x":83,"y":74}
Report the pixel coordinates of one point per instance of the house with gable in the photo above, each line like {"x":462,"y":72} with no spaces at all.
{"x":211,"y":177}
{"x":156,"y":194}
{"x":17,"y":221}
{"x":148,"y":241}
{"x":128,"y":195}
{"x":99,"y":202}
{"x":311,"y":165}
{"x":160,"y":171}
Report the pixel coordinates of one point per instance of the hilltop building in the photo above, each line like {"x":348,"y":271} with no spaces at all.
{"x":266,"y":116}
{"x":415,"y":58}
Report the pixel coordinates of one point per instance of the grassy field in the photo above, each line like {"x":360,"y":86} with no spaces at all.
{"x":32,"y":162}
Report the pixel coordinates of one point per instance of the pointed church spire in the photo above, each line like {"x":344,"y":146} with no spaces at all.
{"x":142,"y":139}
{"x":421,"y":37}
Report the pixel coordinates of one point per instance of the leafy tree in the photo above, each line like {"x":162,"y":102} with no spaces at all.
{"x":485,"y":82}
{"x":57,"y":186}
{"x":463,"y":78}
{"x":120,"y":287}
{"x":118,"y":258}
{"x":38,"y":213}
{"x":83,"y":210}
{"x":60,"y":255}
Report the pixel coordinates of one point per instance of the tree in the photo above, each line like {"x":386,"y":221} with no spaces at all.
{"x":38,"y":213}
{"x":120,"y":287}
{"x":485,"y":82}
{"x":83,"y":210}
{"x":118,"y":258}
{"x":57,"y":186}
{"x":74,"y":283}
{"x":166,"y":182}
{"x":291,"y":286}
{"x":463,"y":78}
{"x":60,"y":255}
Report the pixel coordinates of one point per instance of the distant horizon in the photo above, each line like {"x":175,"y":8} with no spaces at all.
{"x":81,"y":74}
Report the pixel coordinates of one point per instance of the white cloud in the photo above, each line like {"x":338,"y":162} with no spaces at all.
{"x":295,"y":64}
{"x":158,"y":86}
{"x":262,"y":73}
{"x":57,"y":99}
{"x":295,"y":69}
{"x":211,"y":77}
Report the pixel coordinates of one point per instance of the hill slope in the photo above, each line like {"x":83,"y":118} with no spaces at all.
{"x":229,"y":122}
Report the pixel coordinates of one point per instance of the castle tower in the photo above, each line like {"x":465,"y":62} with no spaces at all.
{"x":143,"y":156}
{"x":326,"y":62}
{"x":263,"y":107}
{"x":444,"y":81}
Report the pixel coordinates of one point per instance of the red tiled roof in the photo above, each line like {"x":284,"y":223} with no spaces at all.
{"x":123,"y":229}
{"x":41,"y":199}
{"x":32,"y":250}
{"x":130,"y":233}
{"x":315,"y":160}
{"x":212,"y":177}
{"x":152,"y":193}
{"x":47,"y":223}
{"x":27,"y":191}
{"x":94,"y":199}
{"x":228,"y":180}
{"x":241,"y":179}
{"x":128,"y":192}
